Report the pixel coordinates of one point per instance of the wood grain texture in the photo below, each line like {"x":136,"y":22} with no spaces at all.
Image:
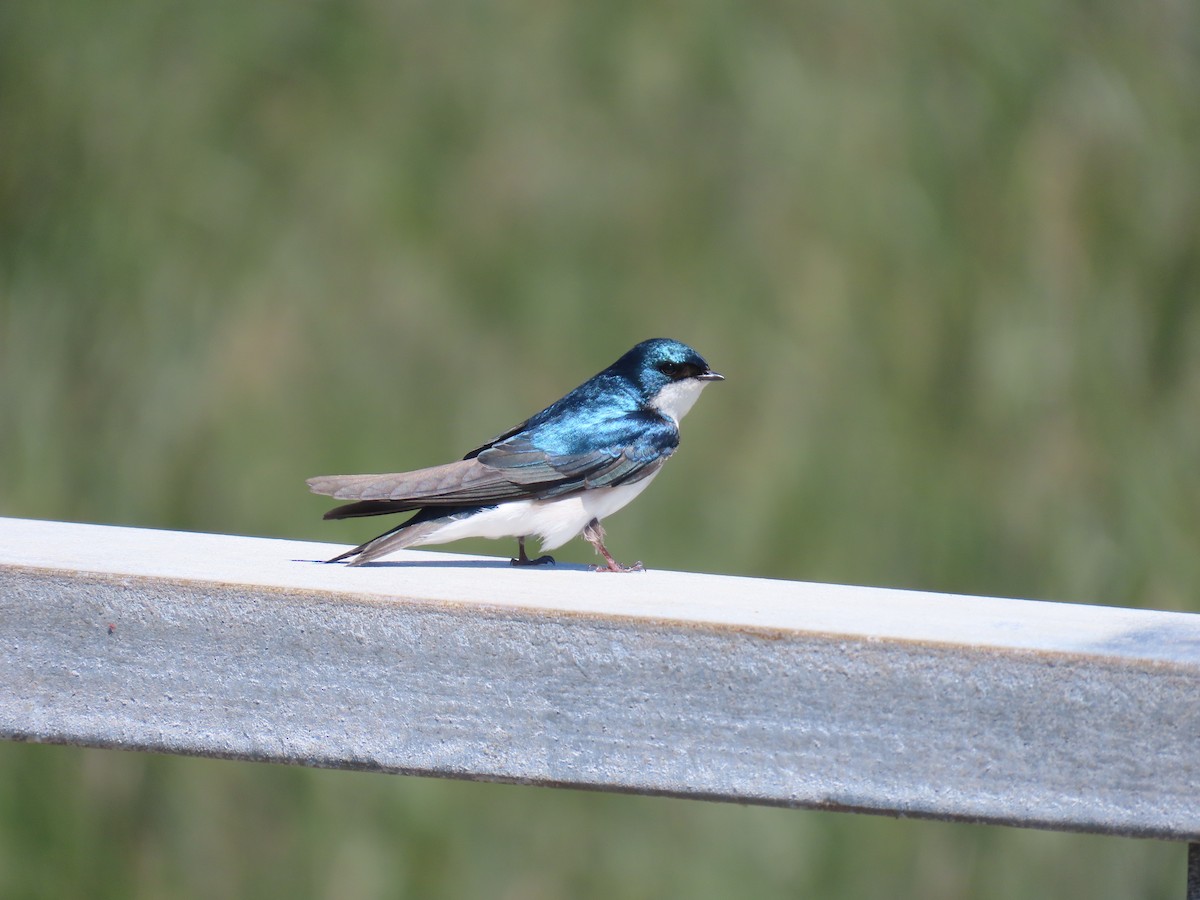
{"x":903,"y":703}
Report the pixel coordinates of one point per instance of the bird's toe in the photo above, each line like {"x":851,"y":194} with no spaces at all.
{"x":540,"y":561}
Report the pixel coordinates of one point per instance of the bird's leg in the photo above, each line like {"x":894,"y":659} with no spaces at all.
{"x":593,"y":532}
{"x":523,"y":560}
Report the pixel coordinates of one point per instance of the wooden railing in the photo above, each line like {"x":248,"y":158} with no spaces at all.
{"x":1045,"y":715}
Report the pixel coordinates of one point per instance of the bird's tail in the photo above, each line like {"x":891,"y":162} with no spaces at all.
{"x":403,"y":535}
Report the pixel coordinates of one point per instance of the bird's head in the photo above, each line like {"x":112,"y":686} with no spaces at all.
{"x":669,"y":375}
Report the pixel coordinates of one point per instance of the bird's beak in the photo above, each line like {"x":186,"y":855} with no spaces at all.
{"x":710,"y":376}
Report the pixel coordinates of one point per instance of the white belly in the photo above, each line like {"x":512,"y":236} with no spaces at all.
{"x":554,"y":522}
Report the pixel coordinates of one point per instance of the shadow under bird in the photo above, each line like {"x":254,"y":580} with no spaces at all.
{"x":557,"y":474}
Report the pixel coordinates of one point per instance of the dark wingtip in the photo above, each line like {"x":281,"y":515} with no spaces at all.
{"x":367,"y":508}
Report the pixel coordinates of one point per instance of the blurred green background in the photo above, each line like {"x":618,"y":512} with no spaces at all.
{"x":947,"y":254}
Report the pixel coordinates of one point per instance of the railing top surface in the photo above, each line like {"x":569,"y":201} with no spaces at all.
{"x":683,"y":597}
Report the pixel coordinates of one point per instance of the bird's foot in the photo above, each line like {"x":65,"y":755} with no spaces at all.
{"x":526,"y":561}
{"x":523,"y":560}
{"x":614,"y":566}
{"x":593,"y":532}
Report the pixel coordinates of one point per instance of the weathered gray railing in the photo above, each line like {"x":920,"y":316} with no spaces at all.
{"x":1044,"y":715}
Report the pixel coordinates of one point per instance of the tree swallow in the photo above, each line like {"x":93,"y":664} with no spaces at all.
{"x":555,"y":475}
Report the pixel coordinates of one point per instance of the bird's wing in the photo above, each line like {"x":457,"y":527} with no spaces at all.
{"x":452,"y":484}
{"x":627,"y":450}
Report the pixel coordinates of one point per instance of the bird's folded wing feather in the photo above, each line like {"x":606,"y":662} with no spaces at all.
{"x":464,"y":479}
{"x":512,"y":469}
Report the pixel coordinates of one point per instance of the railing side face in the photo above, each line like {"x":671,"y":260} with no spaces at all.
{"x":1051,"y":740}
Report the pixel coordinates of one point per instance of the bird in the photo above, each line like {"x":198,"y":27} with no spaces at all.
{"x":559,"y":473}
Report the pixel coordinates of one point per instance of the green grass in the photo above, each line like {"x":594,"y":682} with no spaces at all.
{"x":948,"y":256}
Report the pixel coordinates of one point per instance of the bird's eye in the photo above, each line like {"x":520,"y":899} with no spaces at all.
{"x":676,"y":371}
